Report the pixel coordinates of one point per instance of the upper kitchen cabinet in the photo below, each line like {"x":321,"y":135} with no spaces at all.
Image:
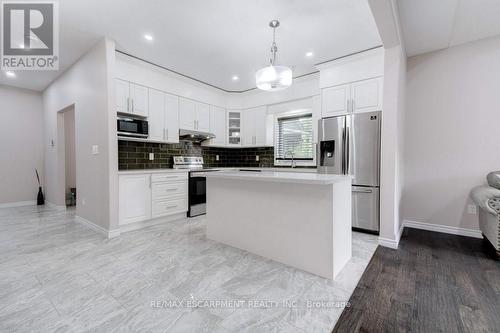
{"x":163,"y":117}
{"x":335,"y":100}
{"x":187,"y":114}
{"x":131,"y":98}
{"x":367,"y":95}
{"x":233,"y":128}
{"x":254,"y":127}
{"x":217,"y":126}
{"x":171,"y":118}
{"x":202,"y":117}
{"x":352,"y":84}
{"x":361,"y":96}
{"x":194,"y":116}
{"x":139,"y":100}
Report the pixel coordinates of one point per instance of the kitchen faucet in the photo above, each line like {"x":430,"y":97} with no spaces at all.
{"x":293,"y":159}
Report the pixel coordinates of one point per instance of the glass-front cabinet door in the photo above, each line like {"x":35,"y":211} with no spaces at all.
{"x":234,"y":128}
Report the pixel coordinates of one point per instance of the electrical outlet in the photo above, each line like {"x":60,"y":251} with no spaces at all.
{"x":257,"y":158}
{"x":151,"y":156}
{"x":472,"y":209}
{"x":216,"y":157}
{"x":95,"y":149}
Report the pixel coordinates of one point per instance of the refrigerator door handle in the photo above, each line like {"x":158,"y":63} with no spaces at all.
{"x":343,"y":148}
{"x":347,"y":148}
{"x":362,"y":191}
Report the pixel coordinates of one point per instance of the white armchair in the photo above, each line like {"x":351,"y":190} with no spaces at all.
{"x":488,"y":199}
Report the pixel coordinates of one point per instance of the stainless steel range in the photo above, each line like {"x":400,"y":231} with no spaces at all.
{"x":197,"y":182}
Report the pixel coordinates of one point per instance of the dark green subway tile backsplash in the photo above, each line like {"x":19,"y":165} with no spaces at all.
{"x":135,"y":155}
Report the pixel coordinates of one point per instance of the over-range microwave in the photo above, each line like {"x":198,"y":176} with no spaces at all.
{"x":132,"y":127}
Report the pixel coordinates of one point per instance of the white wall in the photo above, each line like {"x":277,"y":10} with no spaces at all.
{"x":451,"y":131}
{"x":86,"y":85}
{"x":391,"y":150}
{"x":21,"y":149}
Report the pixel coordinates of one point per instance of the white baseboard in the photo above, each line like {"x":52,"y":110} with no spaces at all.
{"x":387,"y":242}
{"x":17,"y":204}
{"x":54,"y":206}
{"x":392,"y":243}
{"x":148,"y":223}
{"x":443,"y":229}
{"x":95,"y":227}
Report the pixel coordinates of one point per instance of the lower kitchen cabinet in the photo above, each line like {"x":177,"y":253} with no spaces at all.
{"x":146,"y":196}
{"x":134,"y":198}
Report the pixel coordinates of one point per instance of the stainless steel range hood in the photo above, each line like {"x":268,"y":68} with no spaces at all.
{"x":196,"y":136}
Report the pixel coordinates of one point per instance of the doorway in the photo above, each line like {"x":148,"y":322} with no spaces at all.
{"x":67,"y":150}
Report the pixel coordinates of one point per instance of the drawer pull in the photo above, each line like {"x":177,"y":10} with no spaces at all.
{"x":171,"y":189}
{"x":170,"y":207}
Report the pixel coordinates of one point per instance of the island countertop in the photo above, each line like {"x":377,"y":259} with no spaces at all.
{"x":283,"y":177}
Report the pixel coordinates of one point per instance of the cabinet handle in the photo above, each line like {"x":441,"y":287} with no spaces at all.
{"x":164,"y":134}
{"x":132,"y":105}
{"x":150,"y":181}
{"x":352,"y":105}
{"x":170,"y":207}
{"x":128,"y":104}
{"x":166,"y":130}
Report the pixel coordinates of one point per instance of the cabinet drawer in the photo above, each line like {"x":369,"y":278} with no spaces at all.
{"x":168,"y":177}
{"x":169,"y":207}
{"x":169,"y":189}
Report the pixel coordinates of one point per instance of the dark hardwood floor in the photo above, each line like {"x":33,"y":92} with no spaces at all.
{"x":434,"y":282}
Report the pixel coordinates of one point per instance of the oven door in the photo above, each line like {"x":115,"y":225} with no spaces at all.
{"x":197,"y":194}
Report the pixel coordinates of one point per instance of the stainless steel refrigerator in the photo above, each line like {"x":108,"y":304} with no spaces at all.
{"x":351,"y":145}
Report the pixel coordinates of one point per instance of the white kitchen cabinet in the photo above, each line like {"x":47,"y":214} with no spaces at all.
{"x":156,"y":117}
{"x":247,"y":128}
{"x":131,"y":98}
{"x":171,"y":118}
{"x":202,"y":117}
{"x":187,"y":114}
{"x":233,"y":128}
{"x":194,"y":116}
{"x":361,"y":96}
{"x":335,"y":100}
{"x":254,"y":127}
{"x":146,"y":196}
{"x":217,"y":126}
{"x":367,"y":95}
{"x":163,"y":117}
{"x":139,"y":100}
{"x":134,"y":198}
{"x":122,"y":96}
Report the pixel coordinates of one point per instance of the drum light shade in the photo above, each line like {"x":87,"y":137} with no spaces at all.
{"x":273,"y":78}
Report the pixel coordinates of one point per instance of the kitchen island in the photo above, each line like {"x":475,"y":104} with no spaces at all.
{"x":299,"y":219}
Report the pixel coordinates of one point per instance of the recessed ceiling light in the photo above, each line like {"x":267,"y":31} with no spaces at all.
{"x":235,"y":78}
{"x":148,"y":37}
{"x":10,"y":74}
{"x":309,"y":54}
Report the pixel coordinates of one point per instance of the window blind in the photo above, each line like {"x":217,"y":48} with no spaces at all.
{"x":294,"y":136}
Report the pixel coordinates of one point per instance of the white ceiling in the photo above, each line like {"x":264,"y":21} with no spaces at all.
{"x":430,"y":25}
{"x":213,"y":40}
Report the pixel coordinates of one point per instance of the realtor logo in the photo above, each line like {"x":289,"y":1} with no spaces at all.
{"x":30,"y":36}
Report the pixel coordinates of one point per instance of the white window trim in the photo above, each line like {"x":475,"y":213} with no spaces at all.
{"x":297,"y":113}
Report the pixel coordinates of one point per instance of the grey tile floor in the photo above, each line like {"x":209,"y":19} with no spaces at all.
{"x":58,"y":276}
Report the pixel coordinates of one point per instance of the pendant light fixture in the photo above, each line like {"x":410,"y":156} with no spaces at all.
{"x":273,"y":77}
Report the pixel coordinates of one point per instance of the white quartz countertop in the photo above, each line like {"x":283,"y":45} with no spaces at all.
{"x":283,"y":177}
{"x":143,"y":171}
{"x":148,"y":171}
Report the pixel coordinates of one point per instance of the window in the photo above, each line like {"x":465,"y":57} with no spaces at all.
{"x":294,"y":137}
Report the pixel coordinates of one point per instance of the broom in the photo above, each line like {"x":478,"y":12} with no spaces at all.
{"x":40,"y":200}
